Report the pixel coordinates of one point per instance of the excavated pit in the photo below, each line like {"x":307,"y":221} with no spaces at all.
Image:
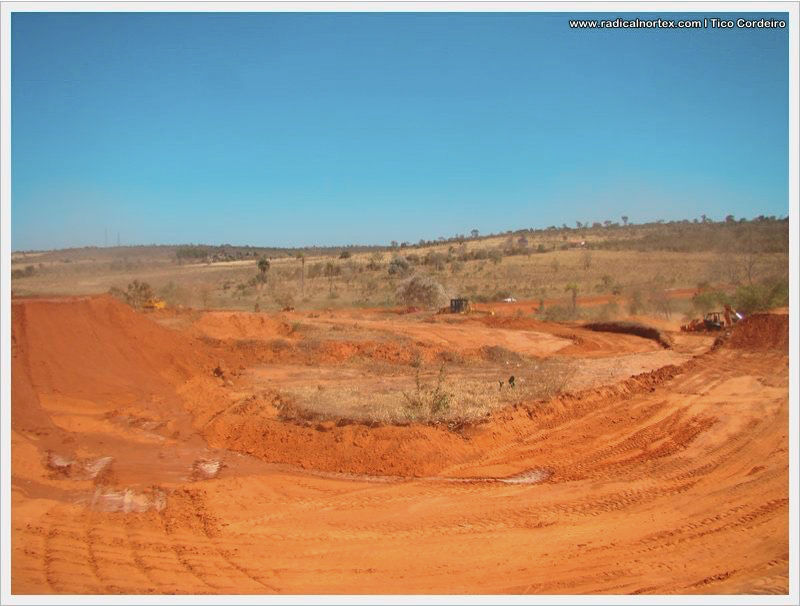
{"x":161,"y":417}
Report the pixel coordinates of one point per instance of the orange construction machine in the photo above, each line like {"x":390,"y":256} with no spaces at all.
{"x":713,"y":321}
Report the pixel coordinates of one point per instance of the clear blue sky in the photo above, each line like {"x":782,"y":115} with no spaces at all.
{"x":301,"y":129}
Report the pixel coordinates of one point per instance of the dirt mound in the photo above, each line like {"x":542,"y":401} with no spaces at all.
{"x":98,"y":342}
{"x":760,"y":332}
{"x":84,"y":348}
{"x":225,"y":325}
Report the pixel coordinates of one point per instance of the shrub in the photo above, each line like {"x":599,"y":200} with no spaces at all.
{"x":761,"y":297}
{"x":375,"y":260}
{"x":192,"y":253}
{"x":636,"y":303}
{"x":559,"y":313}
{"x":284,"y":298}
{"x":136,"y":295}
{"x":399,"y":266}
{"x":315,"y":270}
{"x":609,"y":311}
{"x":24,"y":273}
{"x":421,"y":290}
{"x":435,"y":259}
{"x":707,"y":301}
{"x":428,"y":400}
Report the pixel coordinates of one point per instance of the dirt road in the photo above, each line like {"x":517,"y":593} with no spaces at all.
{"x":136,"y":470}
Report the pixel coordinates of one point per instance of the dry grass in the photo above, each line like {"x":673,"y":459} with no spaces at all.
{"x":429,"y":394}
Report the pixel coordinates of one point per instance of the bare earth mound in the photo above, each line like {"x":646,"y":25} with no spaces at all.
{"x":148,"y":459}
{"x":760,"y":332}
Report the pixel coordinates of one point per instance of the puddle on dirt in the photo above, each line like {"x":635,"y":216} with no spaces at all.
{"x":77,"y":469}
{"x":126,"y":500}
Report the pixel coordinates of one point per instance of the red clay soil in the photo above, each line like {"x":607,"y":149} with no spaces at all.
{"x":226,"y":325}
{"x":93,"y":345}
{"x":761,"y":331}
{"x":253,"y":427}
{"x":674,"y":481}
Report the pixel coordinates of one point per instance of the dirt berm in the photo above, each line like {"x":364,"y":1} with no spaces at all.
{"x":761,"y":331}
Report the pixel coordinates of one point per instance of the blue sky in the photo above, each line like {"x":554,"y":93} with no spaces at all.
{"x":301,"y":129}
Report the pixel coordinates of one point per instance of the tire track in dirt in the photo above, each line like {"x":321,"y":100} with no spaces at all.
{"x":668,"y":482}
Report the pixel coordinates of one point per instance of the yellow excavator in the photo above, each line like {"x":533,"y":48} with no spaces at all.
{"x":154,"y":303}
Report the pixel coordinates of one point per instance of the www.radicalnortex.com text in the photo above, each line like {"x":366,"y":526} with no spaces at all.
{"x":658,"y":23}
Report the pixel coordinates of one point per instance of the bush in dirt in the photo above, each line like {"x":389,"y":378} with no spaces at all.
{"x":263,"y":265}
{"x":421,"y":290}
{"x":436,"y":260}
{"x":192,"y":253}
{"x":136,"y":295}
{"x":636,"y":303}
{"x":284,"y":298}
{"x":703,"y":302}
{"x":609,"y":311}
{"x":659,"y":301}
{"x":399,"y":266}
{"x":375,"y":260}
{"x":23,"y":273}
{"x":495,"y":256}
{"x":559,"y":313}
{"x":761,"y":297}
{"x":428,"y":401}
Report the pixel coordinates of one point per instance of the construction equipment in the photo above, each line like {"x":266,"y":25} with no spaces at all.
{"x":713,"y":321}
{"x":462,"y":306}
{"x":459,"y":306}
{"x":154,"y":303}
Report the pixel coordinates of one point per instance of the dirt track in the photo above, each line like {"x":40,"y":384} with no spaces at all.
{"x":672,"y":481}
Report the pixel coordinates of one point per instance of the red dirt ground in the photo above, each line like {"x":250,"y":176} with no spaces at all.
{"x":137,"y":469}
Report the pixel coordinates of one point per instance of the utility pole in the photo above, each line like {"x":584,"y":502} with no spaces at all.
{"x":117,"y":239}
{"x":105,"y":240}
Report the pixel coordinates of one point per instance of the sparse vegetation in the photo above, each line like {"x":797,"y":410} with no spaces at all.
{"x":623,"y":262}
{"x":136,"y":295}
{"x":428,"y":401}
{"x":421,"y":290}
{"x":23,"y":273}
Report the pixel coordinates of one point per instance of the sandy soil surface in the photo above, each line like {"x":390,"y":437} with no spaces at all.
{"x":149,"y":456}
